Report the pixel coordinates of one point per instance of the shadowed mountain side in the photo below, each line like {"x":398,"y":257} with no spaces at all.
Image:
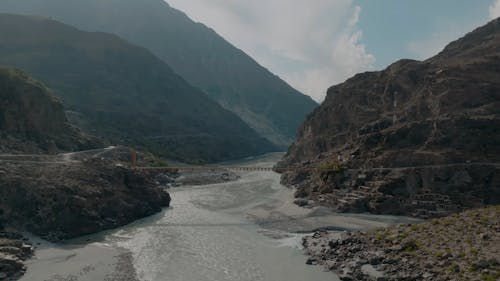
{"x":196,"y":52}
{"x":32,"y":119}
{"x":125,"y":93}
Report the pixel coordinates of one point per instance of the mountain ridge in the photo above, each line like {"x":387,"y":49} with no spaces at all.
{"x":125,"y":93}
{"x":205,"y":59}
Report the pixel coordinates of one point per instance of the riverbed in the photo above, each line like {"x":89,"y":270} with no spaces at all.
{"x":246,"y":230}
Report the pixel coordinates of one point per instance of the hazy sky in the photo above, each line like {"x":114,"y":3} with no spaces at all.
{"x":314,"y":44}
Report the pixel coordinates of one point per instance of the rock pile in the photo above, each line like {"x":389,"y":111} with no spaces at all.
{"x":464,"y":246}
{"x":14,"y":249}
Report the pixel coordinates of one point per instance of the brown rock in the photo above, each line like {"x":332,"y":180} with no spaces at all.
{"x":437,"y":118}
{"x":75,"y":200}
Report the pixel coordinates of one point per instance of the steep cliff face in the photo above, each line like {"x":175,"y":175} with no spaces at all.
{"x":441,"y":111}
{"x":32,"y":119}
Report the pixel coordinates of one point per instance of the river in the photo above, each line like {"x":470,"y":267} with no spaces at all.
{"x":239,"y":231}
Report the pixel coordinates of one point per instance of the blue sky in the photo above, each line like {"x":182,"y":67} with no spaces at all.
{"x":394,"y":29}
{"x":314,"y":44}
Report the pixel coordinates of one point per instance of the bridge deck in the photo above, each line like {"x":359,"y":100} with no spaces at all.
{"x":302,"y":169}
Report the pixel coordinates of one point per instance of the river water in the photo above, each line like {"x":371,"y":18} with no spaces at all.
{"x":237,"y":231}
{"x":206,"y":235}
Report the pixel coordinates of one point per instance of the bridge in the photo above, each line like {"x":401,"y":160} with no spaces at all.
{"x":77,"y":158}
{"x":229,"y":168}
{"x":305,"y":169}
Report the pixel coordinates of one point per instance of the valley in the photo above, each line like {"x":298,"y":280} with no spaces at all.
{"x":241,"y":230}
{"x":137,"y":144}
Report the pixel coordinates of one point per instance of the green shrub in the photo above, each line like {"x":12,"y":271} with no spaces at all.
{"x":473,"y":251}
{"x":331,"y":166}
{"x":159,"y":163}
{"x":493,"y":276}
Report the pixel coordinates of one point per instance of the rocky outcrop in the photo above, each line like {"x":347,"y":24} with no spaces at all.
{"x":385,"y":140}
{"x":422,"y":192}
{"x":460,"y":247}
{"x":58,"y":200}
{"x":14,"y":249}
{"x":32,"y":119}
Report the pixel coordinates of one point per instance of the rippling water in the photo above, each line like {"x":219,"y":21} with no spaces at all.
{"x":206,"y":236}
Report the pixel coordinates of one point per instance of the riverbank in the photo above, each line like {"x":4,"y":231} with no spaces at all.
{"x":244,"y":230}
{"x":463,"y":246}
{"x":280,"y":213}
{"x":89,"y":261}
{"x":63,"y":196}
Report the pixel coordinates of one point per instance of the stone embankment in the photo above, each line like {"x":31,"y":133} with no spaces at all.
{"x":463,"y":246}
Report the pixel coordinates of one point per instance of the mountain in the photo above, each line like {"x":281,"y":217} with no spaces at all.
{"x":434,"y":126}
{"x":32,"y":119}
{"x":124,"y":93}
{"x":60,"y":196}
{"x":197,"y":53}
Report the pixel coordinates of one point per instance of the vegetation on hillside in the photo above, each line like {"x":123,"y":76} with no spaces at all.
{"x":32,"y":118}
{"x":124,"y":93}
{"x":196,"y":52}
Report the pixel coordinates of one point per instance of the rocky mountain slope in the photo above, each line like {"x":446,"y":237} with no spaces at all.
{"x":124,"y":93}
{"x":418,"y":138}
{"x":197,"y":53}
{"x":462,"y":247}
{"x":68,"y":195}
{"x":60,"y":196}
{"x":32,"y":119}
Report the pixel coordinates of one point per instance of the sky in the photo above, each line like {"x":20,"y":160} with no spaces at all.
{"x":314,"y":44}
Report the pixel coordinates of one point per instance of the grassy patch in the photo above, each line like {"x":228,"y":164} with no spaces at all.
{"x":493,"y":276}
{"x":159,"y":163}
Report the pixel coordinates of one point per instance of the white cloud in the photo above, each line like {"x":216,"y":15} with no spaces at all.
{"x":310,"y":44}
{"x":495,"y":10}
